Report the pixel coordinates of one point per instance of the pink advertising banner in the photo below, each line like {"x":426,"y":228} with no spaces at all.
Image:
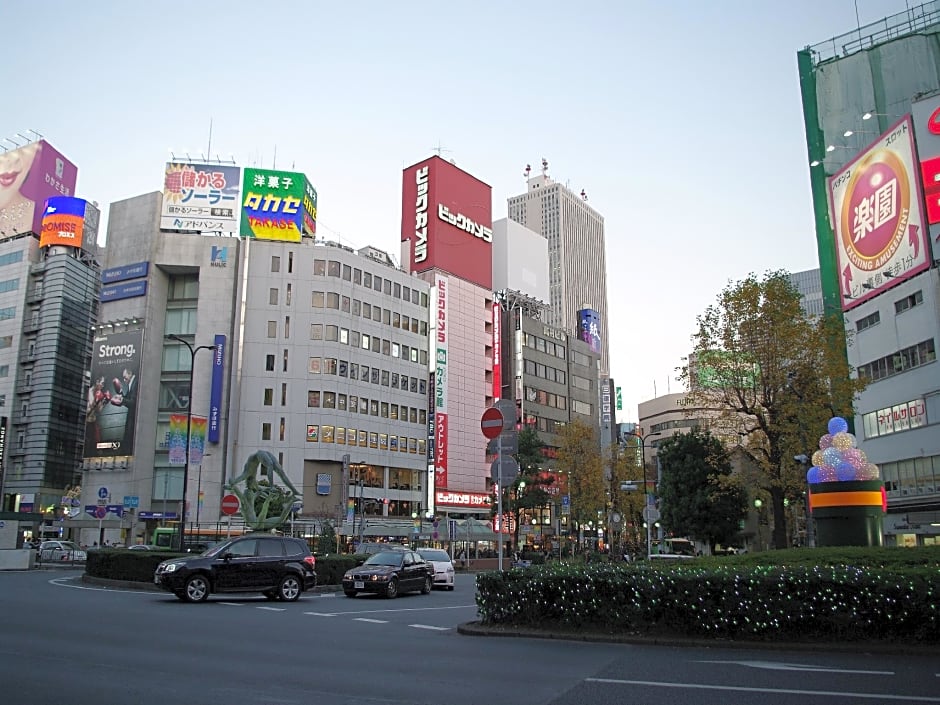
{"x":877,"y":216}
{"x":28,"y":176}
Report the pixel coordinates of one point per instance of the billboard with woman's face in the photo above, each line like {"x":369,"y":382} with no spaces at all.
{"x":28,"y":176}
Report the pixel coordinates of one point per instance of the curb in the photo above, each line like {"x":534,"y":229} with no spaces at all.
{"x":479,"y":629}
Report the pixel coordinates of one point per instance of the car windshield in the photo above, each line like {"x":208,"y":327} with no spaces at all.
{"x":392,"y":558}
{"x":434,"y":554}
{"x":69,"y":546}
{"x":216,"y":549}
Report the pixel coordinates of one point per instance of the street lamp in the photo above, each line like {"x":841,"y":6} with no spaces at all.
{"x":647,"y":515}
{"x":189,"y":425}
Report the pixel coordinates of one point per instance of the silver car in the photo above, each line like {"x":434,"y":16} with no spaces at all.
{"x":443,"y":566}
{"x":61,"y":552}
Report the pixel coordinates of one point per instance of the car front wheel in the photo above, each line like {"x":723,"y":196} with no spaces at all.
{"x":290,"y":588}
{"x":196,"y":589}
{"x":392,"y":589}
{"x":428,"y":584}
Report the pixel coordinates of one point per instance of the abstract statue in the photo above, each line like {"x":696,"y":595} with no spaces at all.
{"x":256,"y":497}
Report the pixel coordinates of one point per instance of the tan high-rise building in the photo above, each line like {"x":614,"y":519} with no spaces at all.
{"x":576,"y":253}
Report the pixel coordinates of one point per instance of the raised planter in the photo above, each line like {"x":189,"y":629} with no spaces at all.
{"x":848,"y":513}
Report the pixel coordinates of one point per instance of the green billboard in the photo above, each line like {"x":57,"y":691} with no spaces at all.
{"x":277,"y":205}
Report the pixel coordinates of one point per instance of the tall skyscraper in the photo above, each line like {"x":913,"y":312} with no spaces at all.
{"x":576,"y":253}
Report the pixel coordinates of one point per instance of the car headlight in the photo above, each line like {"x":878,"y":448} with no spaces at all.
{"x":170,"y":567}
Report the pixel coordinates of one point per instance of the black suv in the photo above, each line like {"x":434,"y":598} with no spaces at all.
{"x":279,"y":567}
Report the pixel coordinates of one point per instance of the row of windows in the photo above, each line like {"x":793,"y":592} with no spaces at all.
{"x":540,"y":396}
{"x":545,"y":372}
{"x":378,"y":314}
{"x":891,"y":419}
{"x":347,"y":273}
{"x":332,"y":333}
{"x":913,"y":476}
{"x":9,"y":285}
{"x":374,"y":375}
{"x":7,"y":313}
{"x":908,"y":302}
{"x":317,"y":399}
{"x":11,"y":257}
{"x":545,"y":346}
{"x":906,"y":359}
{"x":868,"y":321}
{"x":341,"y":435}
{"x":362,"y":475}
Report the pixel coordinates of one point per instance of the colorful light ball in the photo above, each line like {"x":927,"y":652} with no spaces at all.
{"x":846,"y":471}
{"x":825,"y":441}
{"x":855,"y":457}
{"x":871,"y":472}
{"x":831,"y":457}
{"x":827,"y":474}
{"x":812,"y":475}
{"x":838,"y":425}
{"x":843,"y":441}
{"x":818,"y":458}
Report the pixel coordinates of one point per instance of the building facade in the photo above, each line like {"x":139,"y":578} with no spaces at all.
{"x":869,"y":102}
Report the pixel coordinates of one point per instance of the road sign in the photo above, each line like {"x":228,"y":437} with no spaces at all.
{"x":131,"y":502}
{"x":506,"y":472}
{"x":230,"y":504}
{"x":507,"y":407}
{"x":651,"y":514}
{"x":100,"y":512}
{"x":102,"y":493}
{"x":628,"y":486}
{"x":492,"y":422}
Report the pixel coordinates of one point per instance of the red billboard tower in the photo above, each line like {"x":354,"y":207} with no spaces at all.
{"x":446,"y":221}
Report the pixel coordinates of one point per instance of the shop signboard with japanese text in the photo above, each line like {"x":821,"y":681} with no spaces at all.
{"x":277,"y":205}
{"x":441,"y":336}
{"x":447,"y":221}
{"x":877,"y":215}
{"x":200,"y":197}
{"x":111,"y":401}
{"x":29,"y":176}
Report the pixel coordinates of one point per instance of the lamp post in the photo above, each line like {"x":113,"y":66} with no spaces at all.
{"x":646,"y":493}
{"x":189,"y":425}
{"x":758,"y":506}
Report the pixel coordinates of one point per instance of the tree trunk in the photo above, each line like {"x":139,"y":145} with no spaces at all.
{"x":780,"y":518}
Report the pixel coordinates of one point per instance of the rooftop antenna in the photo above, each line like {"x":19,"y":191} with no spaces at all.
{"x":528,"y":170}
{"x":274,"y":163}
{"x":544,"y":166}
{"x":209,"y":145}
{"x":35,"y":133}
{"x":583,"y":194}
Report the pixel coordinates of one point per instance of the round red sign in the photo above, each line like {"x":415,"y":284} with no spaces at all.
{"x":230,"y":504}
{"x":492,"y":422}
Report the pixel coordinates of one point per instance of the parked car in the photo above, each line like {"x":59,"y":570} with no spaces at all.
{"x":140,"y":547}
{"x":390,"y":573}
{"x":443,"y":566}
{"x":370,"y":547}
{"x":279,"y":567}
{"x":59,"y":551}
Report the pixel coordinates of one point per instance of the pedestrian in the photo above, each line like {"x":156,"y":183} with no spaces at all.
{"x":463,"y":559}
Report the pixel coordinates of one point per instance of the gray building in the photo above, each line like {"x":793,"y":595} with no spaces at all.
{"x":307,"y":349}
{"x":576,"y":251}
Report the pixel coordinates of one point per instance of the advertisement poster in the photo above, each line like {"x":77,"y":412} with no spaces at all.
{"x":28,"y":176}
{"x":201,"y":197}
{"x":877,"y":217}
{"x":111,"y":402}
{"x":276,"y":205}
{"x":441,"y":335}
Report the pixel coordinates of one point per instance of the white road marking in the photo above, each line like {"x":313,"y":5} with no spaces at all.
{"x":428,"y":626}
{"x":320,"y":614}
{"x":271,"y":609}
{"x":232,"y":604}
{"x":770,"y":691}
{"x":407,"y":609}
{"x":371,"y":621}
{"x":779,"y":666}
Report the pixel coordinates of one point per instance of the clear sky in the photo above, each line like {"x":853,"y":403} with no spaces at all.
{"x":680,"y":119}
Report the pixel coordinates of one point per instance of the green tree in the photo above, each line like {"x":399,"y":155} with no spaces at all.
{"x":625,"y":466}
{"x":530,"y":489}
{"x":774,"y":377}
{"x":579,"y":455}
{"x":700,"y":497}
{"x":327,"y":541}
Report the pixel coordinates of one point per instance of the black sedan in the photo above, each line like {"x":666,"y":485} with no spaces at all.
{"x":390,"y":573}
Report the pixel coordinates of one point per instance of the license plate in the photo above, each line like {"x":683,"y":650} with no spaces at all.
{"x":359,"y":585}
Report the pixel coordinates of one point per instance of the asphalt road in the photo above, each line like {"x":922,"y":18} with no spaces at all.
{"x":62,"y":641}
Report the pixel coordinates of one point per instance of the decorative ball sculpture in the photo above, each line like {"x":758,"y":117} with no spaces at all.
{"x":838,"y":459}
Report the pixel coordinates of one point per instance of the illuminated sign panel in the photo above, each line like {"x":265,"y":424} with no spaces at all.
{"x":447,"y":219}
{"x":278,"y":205}
{"x":877,"y":217}
{"x":63,"y":222}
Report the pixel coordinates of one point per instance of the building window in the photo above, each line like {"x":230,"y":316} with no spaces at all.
{"x":319,"y":267}
{"x":287,"y":296}
{"x":275,"y":263}
{"x":9,"y":285}
{"x":347,"y":272}
{"x":290,"y":262}
{"x":367,"y":280}
{"x":332,"y":333}
{"x":7,"y":313}
{"x":366,"y":341}
{"x":268,"y":397}
{"x":317,"y":299}
{"x":344,"y":336}
{"x":269,"y":363}
{"x":341,"y":402}
{"x":909,"y":302}
{"x":272,"y":329}
{"x":357,"y":276}
{"x":333,"y":268}
{"x":272,"y":296}
{"x":287,"y":326}
{"x":265,"y":431}
{"x":313,"y":398}
{"x":316,"y":331}
{"x":329,"y":400}
{"x":901,"y":361}
{"x":332,"y":300}
{"x":283,"y":393}
{"x":868,"y":321}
